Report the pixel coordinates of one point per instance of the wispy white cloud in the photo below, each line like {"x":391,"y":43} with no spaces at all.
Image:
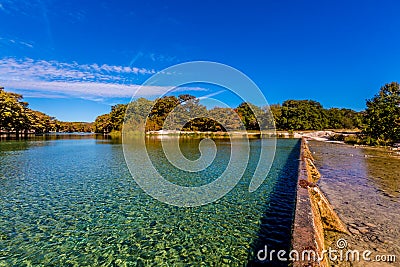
{"x":211,"y":94}
{"x":54,"y":70}
{"x":85,"y":89}
{"x":41,"y":78}
{"x":26,"y":44}
{"x":15,"y":42}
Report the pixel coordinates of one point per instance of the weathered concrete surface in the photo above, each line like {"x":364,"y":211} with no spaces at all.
{"x":313,"y":214}
{"x":304,"y":229}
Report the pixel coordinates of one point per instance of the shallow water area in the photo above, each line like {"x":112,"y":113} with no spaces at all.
{"x":363,"y":184}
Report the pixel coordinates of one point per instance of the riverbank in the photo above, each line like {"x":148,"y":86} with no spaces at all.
{"x":323,"y":135}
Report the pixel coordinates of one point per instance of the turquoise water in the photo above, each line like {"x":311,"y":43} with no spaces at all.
{"x":72,"y":202}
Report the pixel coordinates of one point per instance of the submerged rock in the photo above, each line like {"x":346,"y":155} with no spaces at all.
{"x":370,"y":225}
{"x":354,"y":231}
{"x":363,"y":230}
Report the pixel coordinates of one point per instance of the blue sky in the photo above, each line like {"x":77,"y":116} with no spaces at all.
{"x":73,"y":59}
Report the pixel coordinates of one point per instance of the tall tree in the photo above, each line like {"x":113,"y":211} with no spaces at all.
{"x":188,"y":115}
{"x":276,"y":110}
{"x":13,"y":112}
{"x":159,"y":112}
{"x":117,"y":116}
{"x":249,"y":114}
{"x":103,"y":124}
{"x":40,"y":122}
{"x":344,"y":118}
{"x":303,"y":115}
{"x":137,"y":113}
{"x":225,"y":119}
{"x":382,"y":115}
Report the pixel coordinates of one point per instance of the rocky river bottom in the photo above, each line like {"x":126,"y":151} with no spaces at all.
{"x":363,"y":186}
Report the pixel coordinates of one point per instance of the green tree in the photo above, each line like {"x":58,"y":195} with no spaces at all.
{"x":117,"y":116}
{"x":225,"y":119}
{"x":13,"y":112}
{"x":137,"y":113}
{"x":343,"y":118}
{"x":249,"y":113}
{"x":111,"y":121}
{"x":189,"y":115}
{"x":40,"y":122}
{"x":71,"y":127}
{"x":276,"y":111}
{"x":303,"y":115}
{"x":382,"y":116}
{"x":102,"y":124}
{"x":159,"y":112}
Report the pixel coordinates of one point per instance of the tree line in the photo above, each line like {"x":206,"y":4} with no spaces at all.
{"x":146,"y":115}
{"x":16,"y":117}
{"x":378,"y":124}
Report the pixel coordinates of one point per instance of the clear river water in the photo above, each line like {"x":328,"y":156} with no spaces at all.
{"x":71,"y":201}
